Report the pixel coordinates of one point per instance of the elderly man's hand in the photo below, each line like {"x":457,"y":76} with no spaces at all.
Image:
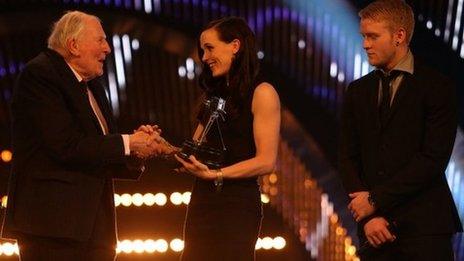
{"x":139,"y":144}
{"x":156,"y":145}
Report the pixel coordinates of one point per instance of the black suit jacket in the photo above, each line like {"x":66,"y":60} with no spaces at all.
{"x":62,"y":160}
{"x":402,"y":161}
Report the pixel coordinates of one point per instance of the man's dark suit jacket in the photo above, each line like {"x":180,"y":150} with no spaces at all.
{"x":402,"y":161}
{"x":63,"y":164}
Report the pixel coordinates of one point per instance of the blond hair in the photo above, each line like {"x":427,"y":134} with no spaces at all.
{"x":69,"y":26}
{"x":396,"y":13}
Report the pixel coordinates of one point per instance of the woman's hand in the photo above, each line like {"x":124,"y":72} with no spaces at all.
{"x":196,"y":168}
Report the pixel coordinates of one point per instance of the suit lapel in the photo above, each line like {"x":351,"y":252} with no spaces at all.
{"x":402,"y":92}
{"x":75,"y":89}
{"x":100,"y":96}
{"x":373,"y":98}
{"x":95,"y":120}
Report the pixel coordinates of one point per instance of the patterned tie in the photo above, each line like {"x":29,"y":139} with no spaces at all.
{"x":96,"y":110}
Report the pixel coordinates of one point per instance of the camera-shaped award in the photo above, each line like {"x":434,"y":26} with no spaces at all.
{"x":214,"y":109}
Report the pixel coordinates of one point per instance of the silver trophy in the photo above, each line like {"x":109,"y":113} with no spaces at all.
{"x":212,"y":157}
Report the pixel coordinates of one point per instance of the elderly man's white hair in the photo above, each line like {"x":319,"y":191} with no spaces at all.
{"x":69,"y":26}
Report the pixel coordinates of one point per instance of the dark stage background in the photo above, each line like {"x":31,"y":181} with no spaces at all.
{"x":310,"y":50}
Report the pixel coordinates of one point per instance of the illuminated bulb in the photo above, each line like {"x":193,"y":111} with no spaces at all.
{"x":117,"y":200}
{"x":6,"y":155}
{"x":273,"y":178}
{"x":259,"y":244}
{"x":264,"y":198}
{"x":267,"y":243}
{"x":351,"y":250}
{"x":126,"y":246}
{"x":186,"y":197}
{"x":341,"y":77}
{"x":160,"y":199}
{"x":135,"y":44}
{"x":279,"y":243}
{"x":177,"y":245}
{"x":161,"y":245}
{"x":176,"y":198}
{"x":303,"y":232}
{"x":4,"y":201}
{"x":150,"y":246}
{"x":9,"y":249}
{"x":149,"y":199}
{"x":333,"y":69}
{"x":137,"y":199}
{"x":308,"y":183}
{"x":138,"y":246}
{"x":126,"y":199}
{"x":429,"y":24}
{"x":190,"y":65}
{"x":182,"y":71}
{"x":348,"y":241}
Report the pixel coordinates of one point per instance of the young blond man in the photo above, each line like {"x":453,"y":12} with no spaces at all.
{"x":398,"y":128}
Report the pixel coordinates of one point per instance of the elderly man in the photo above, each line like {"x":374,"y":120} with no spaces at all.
{"x":66,"y":151}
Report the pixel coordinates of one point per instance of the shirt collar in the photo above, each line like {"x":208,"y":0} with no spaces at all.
{"x":78,"y":76}
{"x":406,"y":64}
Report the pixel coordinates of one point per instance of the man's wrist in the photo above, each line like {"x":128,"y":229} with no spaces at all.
{"x":371,"y":199}
{"x":126,"y":142}
{"x":366,"y":220}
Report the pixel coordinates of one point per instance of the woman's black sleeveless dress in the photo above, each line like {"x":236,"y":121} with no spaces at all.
{"x":225,"y":225}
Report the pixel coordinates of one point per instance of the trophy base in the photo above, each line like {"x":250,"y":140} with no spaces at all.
{"x":213,"y":158}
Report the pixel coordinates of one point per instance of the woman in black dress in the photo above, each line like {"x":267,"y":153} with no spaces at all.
{"x":224,"y":214}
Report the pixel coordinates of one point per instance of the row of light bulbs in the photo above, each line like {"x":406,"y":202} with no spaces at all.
{"x":177,"y":245}
{"x":149,"y":199}
{"x":160,"y":199}
{"x":151,"y":246}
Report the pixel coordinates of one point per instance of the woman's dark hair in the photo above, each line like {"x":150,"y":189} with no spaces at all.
{"x":244,"y":68}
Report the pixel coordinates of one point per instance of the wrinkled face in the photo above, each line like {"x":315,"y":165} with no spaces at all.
{"x":90,"y":50}
{"x":379,"y":43}
{"x":218,"y":55}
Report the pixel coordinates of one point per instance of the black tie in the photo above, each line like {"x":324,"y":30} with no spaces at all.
{"x":385,"y":99}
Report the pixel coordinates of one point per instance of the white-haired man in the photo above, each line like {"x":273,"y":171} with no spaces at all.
{"x":67,"y":151}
